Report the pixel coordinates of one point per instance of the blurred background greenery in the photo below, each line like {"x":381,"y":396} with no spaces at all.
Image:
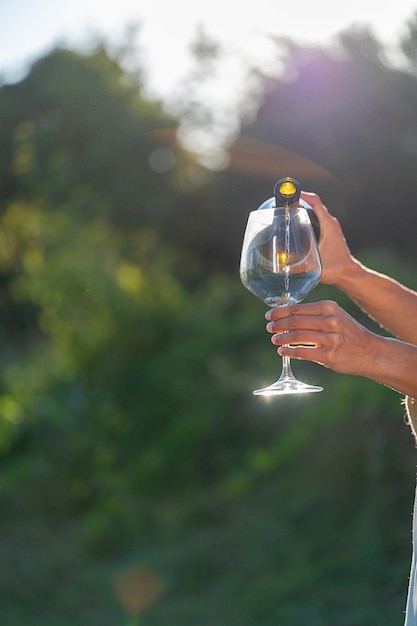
{"x":140,"y":479}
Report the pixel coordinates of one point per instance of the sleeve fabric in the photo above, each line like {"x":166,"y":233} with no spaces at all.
{"x":411,"y":607}
{"x":411,"y":407}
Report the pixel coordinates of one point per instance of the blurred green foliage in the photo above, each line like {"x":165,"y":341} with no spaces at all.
{"x":133,"y":455}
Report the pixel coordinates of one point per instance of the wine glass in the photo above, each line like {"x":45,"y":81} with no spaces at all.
{"x":280,"y":264}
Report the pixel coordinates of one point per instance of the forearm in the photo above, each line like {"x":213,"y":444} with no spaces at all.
{"x":385,"y":300}
{"x":394,"y":365}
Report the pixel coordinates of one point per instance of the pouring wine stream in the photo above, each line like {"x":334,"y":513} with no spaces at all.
{"x":286,"y":375}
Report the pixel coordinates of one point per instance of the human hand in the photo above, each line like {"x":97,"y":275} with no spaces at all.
{"x":324,"y":333}
{"x":334,"y":252}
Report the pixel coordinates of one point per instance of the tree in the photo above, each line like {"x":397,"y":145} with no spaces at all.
{"x":77,"y":130}
{"x":356,"y":117}
{"x":408,"y":43}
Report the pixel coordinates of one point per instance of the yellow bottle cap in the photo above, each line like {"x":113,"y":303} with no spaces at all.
{"x":287,"y":189}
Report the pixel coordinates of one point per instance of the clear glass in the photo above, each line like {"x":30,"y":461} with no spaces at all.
{"x":280,"y":265}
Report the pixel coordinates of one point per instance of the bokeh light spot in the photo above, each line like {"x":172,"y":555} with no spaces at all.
{"x":162,"y":160}
{"x":137,"y":589}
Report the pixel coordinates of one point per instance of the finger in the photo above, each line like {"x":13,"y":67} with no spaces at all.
{"x":281,"y":312}
{"x":299,"y":336}
{"x":315,"y":202}
{"x":311,"y":353}
{"x":299,"y":322}
{"x":328,"y":223}
{"x":321,"y":307}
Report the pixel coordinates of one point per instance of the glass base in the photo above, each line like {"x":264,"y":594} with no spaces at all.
{"x":287,"y":386}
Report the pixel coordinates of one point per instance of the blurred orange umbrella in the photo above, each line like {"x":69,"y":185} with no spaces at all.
{"x":263,"y":160}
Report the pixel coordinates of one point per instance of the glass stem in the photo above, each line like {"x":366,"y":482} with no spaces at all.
{"x":286,"y":367}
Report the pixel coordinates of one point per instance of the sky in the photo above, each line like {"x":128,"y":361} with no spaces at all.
{"x":30,"y":28}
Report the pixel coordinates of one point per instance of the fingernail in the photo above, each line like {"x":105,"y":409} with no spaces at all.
{"x":268,"y":315}
{"x":269,"y":327}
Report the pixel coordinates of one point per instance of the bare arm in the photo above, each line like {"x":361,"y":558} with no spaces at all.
{"x":385,"y":300}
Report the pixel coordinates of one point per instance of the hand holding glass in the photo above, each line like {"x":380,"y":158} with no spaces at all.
{"x":280,"y":264}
